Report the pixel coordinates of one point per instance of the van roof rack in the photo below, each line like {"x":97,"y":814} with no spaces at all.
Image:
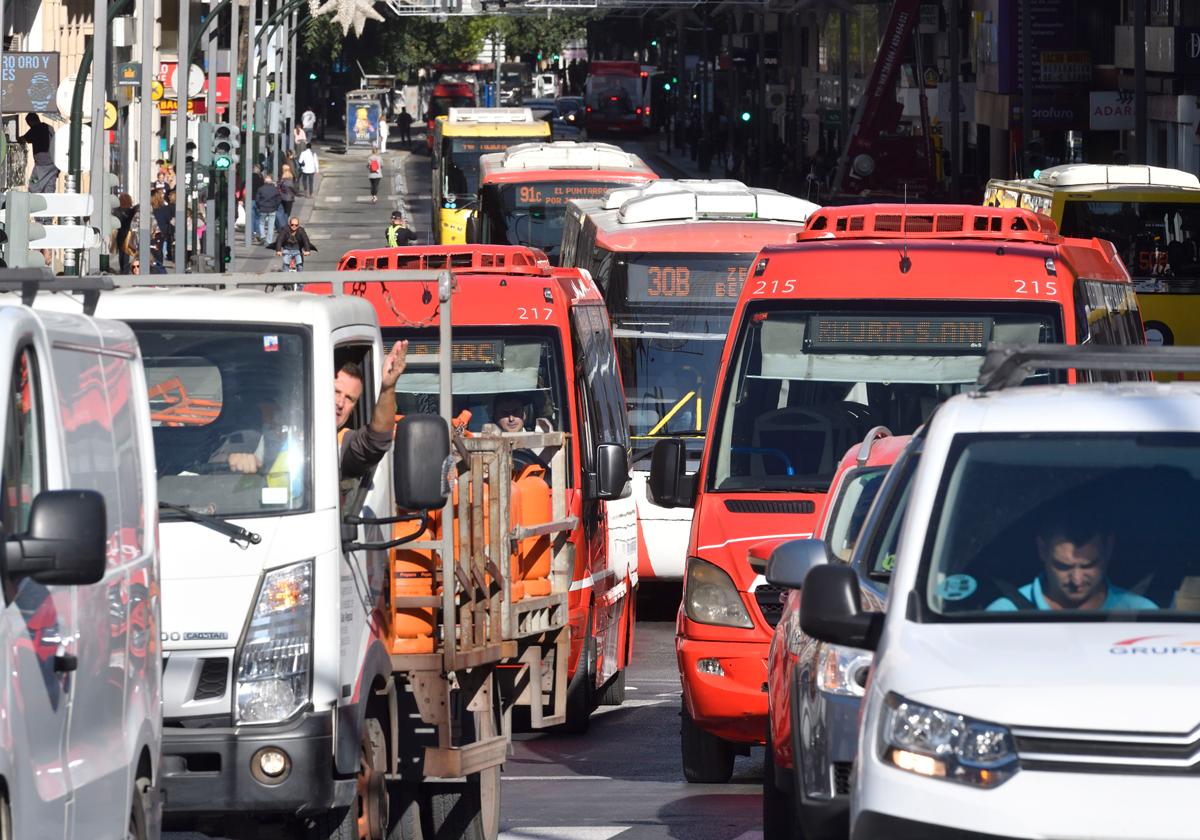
{"x":1007,"y":365}
{"x":928,"y":221}
{"x":30,"y":281}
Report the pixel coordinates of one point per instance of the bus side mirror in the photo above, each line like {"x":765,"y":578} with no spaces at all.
{"x":611,"y":479}
{"x":473,"y":227}
{"x":669,"y":485}
{"x":419,"y":455}
{"x":66,"y":541}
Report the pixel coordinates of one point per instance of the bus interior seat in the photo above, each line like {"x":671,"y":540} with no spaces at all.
{"x":815,"y":437}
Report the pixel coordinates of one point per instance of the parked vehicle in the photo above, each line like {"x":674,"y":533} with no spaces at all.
{"x":813,"y":689}
{"x":1030,"y":649}
{"x":80,"y":632}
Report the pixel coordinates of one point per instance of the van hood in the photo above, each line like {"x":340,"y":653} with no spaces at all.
{"x":726,"y":526}
{"x":209,"y":584}
{"x":1110,"y":676}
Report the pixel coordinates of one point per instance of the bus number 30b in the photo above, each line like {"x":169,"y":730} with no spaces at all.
{"x":669,"y":281}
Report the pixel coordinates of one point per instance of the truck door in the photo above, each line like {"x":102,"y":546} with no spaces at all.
{"x":39,"y":626}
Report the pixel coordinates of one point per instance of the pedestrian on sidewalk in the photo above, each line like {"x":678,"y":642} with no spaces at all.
{"x":287,"y":195}
{"x":384,"y":131}
{"x":398,"y":233}
{"x":374,"y":173}
{"x":308,"y":169}
{"x":308,"y":120}
{"x":267,"y":200}
{"x":405,"y":120}
{"x":299,"y":138}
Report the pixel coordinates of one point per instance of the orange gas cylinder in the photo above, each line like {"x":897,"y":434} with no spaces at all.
{"x":412,"y":574}
{"x":531,"y":505}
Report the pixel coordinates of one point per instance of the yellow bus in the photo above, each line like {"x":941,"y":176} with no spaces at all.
{"x":459,"y":138}
{"x":1150,"y":213}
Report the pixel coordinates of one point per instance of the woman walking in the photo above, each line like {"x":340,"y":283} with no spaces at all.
{"x":374,"y":173}
{"x":287,"y":196}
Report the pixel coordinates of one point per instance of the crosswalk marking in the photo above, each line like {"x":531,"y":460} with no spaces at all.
{"x":557,"y":778}
{"x":575,"y":832}
{"x":333,"y":199}
{"x":359,"y":236}
{"x":320,"y":236}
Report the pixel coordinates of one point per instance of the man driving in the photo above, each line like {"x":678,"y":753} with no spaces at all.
{"x":361,"y":449}
{"x":1075,"y":548}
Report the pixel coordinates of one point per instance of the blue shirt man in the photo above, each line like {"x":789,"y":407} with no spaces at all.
{"x":1075,"y":551}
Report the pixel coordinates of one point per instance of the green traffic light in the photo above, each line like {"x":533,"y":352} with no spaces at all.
{"x":745,"y":116}
{"x":666,"y":85}
{"x":674,"y":80}
{"x":654,"y":43}
{"x":312,"y":77}
{"x":222,"y":162}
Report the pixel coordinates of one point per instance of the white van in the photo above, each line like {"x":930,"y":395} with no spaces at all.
{"x":1034,"y":669}
{"x":81,"y":732}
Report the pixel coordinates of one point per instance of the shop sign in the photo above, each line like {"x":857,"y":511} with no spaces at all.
{"x":1070,"y":66}
{"x":171,"y":106}
{"x":1110,"y":110}
{"x":1187,"y":50}
{"x":28,"y":82}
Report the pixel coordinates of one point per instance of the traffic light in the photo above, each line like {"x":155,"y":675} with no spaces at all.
{"x":225,"y":142}
{"x":666,"y":85}
{"x":204,"y":146}
{"x":654,"y":43}
{"x":312,"y":75}
{"x":19,"y":228}
{"x":745,"y":116}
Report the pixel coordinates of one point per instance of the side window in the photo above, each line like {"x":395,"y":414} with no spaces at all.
{"x":352,"y":365}
{"x":596,"y":372}
{"x":1108,"y":315}
{"x":589,"y":423}
{"x":127,"y":437}
{"x":882,"y":528}
{"x":24,"y":448}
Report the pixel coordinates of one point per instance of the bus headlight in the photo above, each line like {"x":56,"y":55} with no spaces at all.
{"x":711,"y":598}
{"x":275,"y":666}
{"x":944,"y":745}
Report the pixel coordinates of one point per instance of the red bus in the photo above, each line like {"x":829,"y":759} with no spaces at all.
{"x":446,"y":95}
{"x":670,"y":259}
{"x":525,"y":328}
{"x":875,"y":315}
{"x":524,"y":191}
{"x":614,"y":97}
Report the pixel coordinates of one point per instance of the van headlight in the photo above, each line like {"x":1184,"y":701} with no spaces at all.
{"x":275,"y":667}
{"x":843,"y":670}
{"x":711,"y":598}
{"x":944,"y":745}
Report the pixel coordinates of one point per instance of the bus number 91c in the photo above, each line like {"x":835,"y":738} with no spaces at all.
{"x":669,"y":281}
{"x":531,"y":195}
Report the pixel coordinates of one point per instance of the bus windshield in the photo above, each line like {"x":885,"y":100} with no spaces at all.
{"x":222,"y":391}
{"x":614,"y":95}
{"x":460,"y":165}
{"x":1156,"y":240}
{"x":805,"y":385}
{"x":671,"y":313}
{"x":489,"y":366}
{"x":439,"y":106}
{"x":532,"y":214}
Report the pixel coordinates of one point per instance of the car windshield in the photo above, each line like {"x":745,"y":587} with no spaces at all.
{"x":1157,"y":240}
{"x":489,"y":368}
{"x":805,"y":386}
{"x":222,"y":391}
{"x":532,"y":213}
{"x":849,"y":510}
{"x":1033,"y":527}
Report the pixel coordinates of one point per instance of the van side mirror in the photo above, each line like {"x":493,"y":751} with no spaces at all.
{"x":831,"y":608}
{"x":669,"y":485}
{"x":611,"y":478}
{"x":792,"y":561}
{"x":419,"y":454}
{"x":66,"y":541}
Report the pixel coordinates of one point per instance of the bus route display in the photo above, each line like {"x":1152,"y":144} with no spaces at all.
{"x":688,"y":279}
{"x":881,"y":333}
{"x":557,"y":194}
{"x":483,"y":145}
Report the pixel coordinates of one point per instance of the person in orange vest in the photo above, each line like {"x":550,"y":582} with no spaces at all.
{"x":361,"y":449}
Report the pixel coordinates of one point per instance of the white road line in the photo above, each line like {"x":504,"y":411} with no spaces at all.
{"x":332,"y":199}
{"x":556,"y":778}
{"x":359,"y":236}
{"x":363,"y":199}
{"x":566,"y":832}
{"x":320,"y":236}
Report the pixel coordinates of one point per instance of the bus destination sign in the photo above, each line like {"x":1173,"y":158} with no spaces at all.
{"x":691,"y":281}
{"x":557,"y":194}
{"x":880,"y":333}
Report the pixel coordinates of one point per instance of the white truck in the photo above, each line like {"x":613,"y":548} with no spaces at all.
{"x":81,"y":733}
{"x":286,"y":702}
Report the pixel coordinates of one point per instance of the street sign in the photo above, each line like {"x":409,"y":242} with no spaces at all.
{"x":156,"y":90}
{"x":28,"y":82}
{"x":129,"y":74}
{"x":110,"y":114}
{"x":171,"y":106}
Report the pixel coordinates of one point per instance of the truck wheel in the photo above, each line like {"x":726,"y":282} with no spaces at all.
{"x":138,"y":813}
{"x":614,"y":690}
{"x":454,"y":810}
{"x":581,"y":689}
{"x":367,"y":816}
{"x":405,"y":808}
{"x":707,"y":759}
{"x":6,"y":829}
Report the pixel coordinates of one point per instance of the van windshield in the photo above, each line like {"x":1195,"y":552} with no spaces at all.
{"x":1031,"y":527}
{"x":493,"y":371}
{"x":806,"y":385}
{"x":227,"y":406}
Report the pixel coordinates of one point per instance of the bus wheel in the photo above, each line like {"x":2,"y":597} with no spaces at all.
{"x":707,"y":759}
{"x":614,"y":690}
{"x":581,"y":691}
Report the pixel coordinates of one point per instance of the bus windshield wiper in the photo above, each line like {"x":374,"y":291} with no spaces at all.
{"x":238,"y":535}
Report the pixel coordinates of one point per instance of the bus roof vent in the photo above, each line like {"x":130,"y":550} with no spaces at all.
{"x":482,"y":116}
{"x":1088,"y":174}
{"x":928,"y":221}
{"x":499,"y":259}
{"x":662,"y":201}
{"x":568,"y":155}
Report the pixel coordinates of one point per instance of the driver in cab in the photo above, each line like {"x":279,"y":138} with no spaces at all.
{"x":360,"y":449}
{"x":1075,"y":549}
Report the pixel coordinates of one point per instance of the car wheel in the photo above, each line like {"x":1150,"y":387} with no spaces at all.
{"x":707,"y":759}
{"x":581,"y":691}
{"x":139,"y":813}
{"x":780,"y":821}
